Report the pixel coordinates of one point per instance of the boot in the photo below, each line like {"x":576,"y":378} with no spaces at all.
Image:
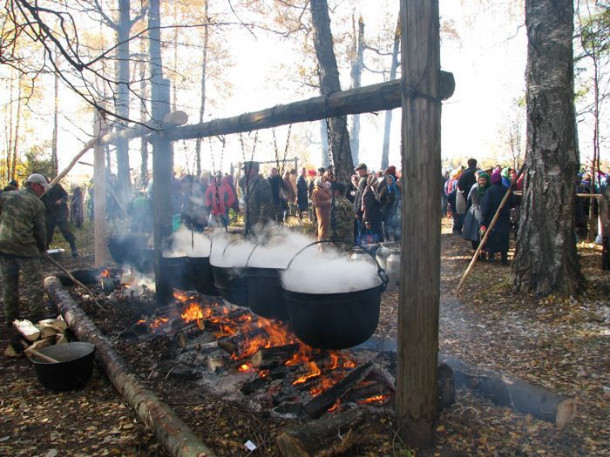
{"x":504,"y":258}
{"x":482,"y":257}
{"x":74,"y":250}
{"x":490,"y":257}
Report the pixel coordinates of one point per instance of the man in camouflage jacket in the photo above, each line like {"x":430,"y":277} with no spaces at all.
{"x":22,"y":239}
{"x":342,"y":222}
{"x":259,"y":207}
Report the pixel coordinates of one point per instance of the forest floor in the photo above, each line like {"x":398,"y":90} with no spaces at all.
{"x":559,"y":344}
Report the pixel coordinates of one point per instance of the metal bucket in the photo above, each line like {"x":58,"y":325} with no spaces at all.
{"x":74,"y":367}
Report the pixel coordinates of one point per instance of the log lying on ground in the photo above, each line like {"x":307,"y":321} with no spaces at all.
{"x":171,"y":431}
{"x":516,"y":394}
{"x":274,"y":356}
{"x":332,"y":435}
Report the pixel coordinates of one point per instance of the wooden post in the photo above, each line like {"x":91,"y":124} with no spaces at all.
{"x":420,"y":258}
{"x":99,"y":194}
{"x":162,"y":158}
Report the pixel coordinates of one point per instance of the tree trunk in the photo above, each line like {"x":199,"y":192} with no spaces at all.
{"x":122,"y":145}
{"x":54,"y":158}
{"x":329,"y":83}
{"x":416,"y":401}
{"x":143,"y":119}
{"x":546,"y":259}
{"x":385,"y":152}
{"x":15,"y":151}
{"x":204,"y":65}
{"x":357,"y":64}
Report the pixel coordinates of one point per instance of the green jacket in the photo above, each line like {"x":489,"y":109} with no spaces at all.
{"x":344,"y":222}
{"x":22,"y":223}
{"x":259,"y":202}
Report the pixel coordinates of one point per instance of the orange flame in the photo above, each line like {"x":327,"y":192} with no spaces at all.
{"x":105,"y":274}
{"x":380,"y":399}
{"x":313,"y":372}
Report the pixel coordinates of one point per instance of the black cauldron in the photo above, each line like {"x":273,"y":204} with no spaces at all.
{"x":202,"y":276}
{"x":132,"y":249}
{"x":265,"y":295}
{"x":178,"y":272}
{"x":232,"y":284}
{"x":73,"y":369}
{"x":334,"y":321}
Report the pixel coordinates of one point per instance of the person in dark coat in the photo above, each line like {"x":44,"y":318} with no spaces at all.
{"x":57,"y":215}
{"x":464,"y":184}
{"x":77,"y":215}
{"x":498,"y":240}
{"x":371,"y":209}
{"x":472,"y":220}
{"x":302,"y":193}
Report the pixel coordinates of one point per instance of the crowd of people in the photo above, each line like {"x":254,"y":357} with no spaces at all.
{"x":472,"y":196}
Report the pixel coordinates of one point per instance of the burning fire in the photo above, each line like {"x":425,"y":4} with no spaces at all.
{"x":105,"y":273}
{"x":379,"y":399}
{"x":322,"y":369}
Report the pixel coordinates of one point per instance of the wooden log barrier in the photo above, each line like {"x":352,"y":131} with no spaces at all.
{"x":171,"y":431}
{"x":514,"y":393}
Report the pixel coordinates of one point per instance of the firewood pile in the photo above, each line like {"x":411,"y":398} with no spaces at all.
{"x":35,"y":336}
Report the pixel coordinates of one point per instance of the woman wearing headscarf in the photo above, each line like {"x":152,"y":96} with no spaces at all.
{"x":389,"y":198}
{"x":498,"y":239}
{"x":321,"y":200}
{"x":472,"y":219}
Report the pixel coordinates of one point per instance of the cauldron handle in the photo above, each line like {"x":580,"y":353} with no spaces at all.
{"x":380,"y":271}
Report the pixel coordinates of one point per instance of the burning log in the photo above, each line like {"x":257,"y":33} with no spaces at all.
{"x":171,"y":431}
{"x":274,"y":356}
{"x":320,"y":404}
{"x":333,"y":435}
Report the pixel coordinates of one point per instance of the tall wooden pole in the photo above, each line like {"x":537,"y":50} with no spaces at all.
{"x":99,"y":194}
{"x":421,"y":215}
{"x":162,"y":158}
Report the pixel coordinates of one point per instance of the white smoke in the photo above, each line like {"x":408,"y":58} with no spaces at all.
{"x":185,"y":242}
{"x":328,"y":271}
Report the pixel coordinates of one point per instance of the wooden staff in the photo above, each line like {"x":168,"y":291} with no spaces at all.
{"x":76,"y":281}
{"x":40,"y":355}
{"x":475,"y":257}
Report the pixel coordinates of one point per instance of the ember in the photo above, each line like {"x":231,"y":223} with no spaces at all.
{"x":380,"y":399}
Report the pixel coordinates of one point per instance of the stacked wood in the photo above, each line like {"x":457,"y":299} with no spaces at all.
{"x":37,"y":336}
{"x":274,"y":356}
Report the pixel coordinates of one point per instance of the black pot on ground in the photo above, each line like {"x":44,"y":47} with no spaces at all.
{"x":178,"y":272}
{"x":74,"y":367}
{"x":265,"y":295}
{"x":232,"y":284}
{"x":202,"y":276}
{"x":334,"y":321}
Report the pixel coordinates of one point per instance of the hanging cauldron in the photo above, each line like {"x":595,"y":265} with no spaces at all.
{"x":177,"y":271}
{"x":202,"y":276}
{"x":265,"y":296}
{"x":230,"y":281}
{"x":335,"y":320}
{"x":132,"y":249}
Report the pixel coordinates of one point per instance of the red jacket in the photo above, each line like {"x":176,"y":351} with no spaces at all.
{"x":219,"y":202}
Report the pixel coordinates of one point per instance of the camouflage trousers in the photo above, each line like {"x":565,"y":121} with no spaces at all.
{"x":32,"y":281}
